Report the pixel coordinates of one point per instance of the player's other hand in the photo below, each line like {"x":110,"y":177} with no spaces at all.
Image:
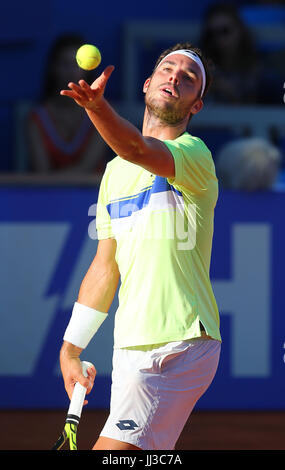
{"x":89,"y":96}
{"x":72,"y":371}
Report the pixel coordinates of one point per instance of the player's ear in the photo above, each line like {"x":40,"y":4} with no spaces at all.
{"x":146,"y":85}
{"x":197,"y":106}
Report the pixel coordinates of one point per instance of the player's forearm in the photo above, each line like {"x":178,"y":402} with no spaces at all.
{"x":98,"y":287}
{"x":122,"y":136}
{"x":96,"y":294}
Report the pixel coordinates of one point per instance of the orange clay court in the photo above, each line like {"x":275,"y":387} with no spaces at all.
{"x":214,"y":430}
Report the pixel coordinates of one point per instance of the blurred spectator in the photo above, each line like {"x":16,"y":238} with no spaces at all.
{"x":267,"y":20}
{"x":238,"y":72}
{"x":60,"y":136}
{"x":248,"y":164}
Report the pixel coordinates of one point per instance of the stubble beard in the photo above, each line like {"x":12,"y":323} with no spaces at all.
{"x":167,"y":113}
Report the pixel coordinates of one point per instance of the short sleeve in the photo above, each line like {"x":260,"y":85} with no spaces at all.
{"x":194,"y":166}
{"x":103,"y":219}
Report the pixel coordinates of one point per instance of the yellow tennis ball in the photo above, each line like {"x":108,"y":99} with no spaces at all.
{"x":88,"y":57}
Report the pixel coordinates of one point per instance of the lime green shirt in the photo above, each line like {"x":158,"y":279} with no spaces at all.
{"x":163,"y":228}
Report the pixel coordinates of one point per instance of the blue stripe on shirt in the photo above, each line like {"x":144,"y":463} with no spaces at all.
{"x":124,"y":207}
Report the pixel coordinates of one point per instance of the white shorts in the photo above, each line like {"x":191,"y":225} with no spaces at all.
{"x":153,"y":392}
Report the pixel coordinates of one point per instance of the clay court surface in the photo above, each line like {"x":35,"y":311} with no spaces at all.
{"x":239,"y":430}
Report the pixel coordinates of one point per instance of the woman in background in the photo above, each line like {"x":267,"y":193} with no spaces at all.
{"x":60,"y":136}
{"x":228,"y":43}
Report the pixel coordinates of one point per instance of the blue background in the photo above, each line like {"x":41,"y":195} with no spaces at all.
{"x":49,"y":229}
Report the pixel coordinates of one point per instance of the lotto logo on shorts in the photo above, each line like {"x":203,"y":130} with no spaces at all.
{"x":126,"y":425}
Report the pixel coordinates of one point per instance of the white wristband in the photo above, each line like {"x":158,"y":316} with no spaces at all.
{"x":83,"y":324}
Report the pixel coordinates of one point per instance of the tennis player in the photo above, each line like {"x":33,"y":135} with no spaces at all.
{"x":155,"y":227}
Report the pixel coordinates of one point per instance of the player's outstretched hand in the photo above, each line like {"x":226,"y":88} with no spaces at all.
{"x":89,"y":96}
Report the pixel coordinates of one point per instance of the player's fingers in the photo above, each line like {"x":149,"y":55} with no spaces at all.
{"x":108,"y":71}
{"x":88,"y":382}
{"x":77,"y":89}
{"x":91,"y":371}
{"x":101,"y":81}
{"x":84,"y":85}
{"x":87,"y":89}
{"x":71,"y":94}
{"x":84,"y":381}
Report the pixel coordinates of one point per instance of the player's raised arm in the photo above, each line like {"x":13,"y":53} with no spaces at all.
{"x":121,"y":135}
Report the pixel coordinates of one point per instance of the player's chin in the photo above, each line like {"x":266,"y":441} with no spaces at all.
{"x":171,"y":115}
{"x":164,"y":105}
{"x":165,"y":110}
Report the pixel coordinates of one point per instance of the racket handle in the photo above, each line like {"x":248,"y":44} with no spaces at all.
{"x":77,"y":399}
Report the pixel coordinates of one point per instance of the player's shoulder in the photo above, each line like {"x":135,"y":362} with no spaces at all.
{"x":194,"y":143}
{"x":192,"y":148}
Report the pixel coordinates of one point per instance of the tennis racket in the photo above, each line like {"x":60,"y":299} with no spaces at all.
{"x":69,"y":432}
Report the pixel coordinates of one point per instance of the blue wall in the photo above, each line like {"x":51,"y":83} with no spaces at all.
{"x":47,"y":242}
{"x":25,"y":37}
{"x":28,"y":30}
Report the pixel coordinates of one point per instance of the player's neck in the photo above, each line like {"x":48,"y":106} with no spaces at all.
{"x":155,"y":127}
